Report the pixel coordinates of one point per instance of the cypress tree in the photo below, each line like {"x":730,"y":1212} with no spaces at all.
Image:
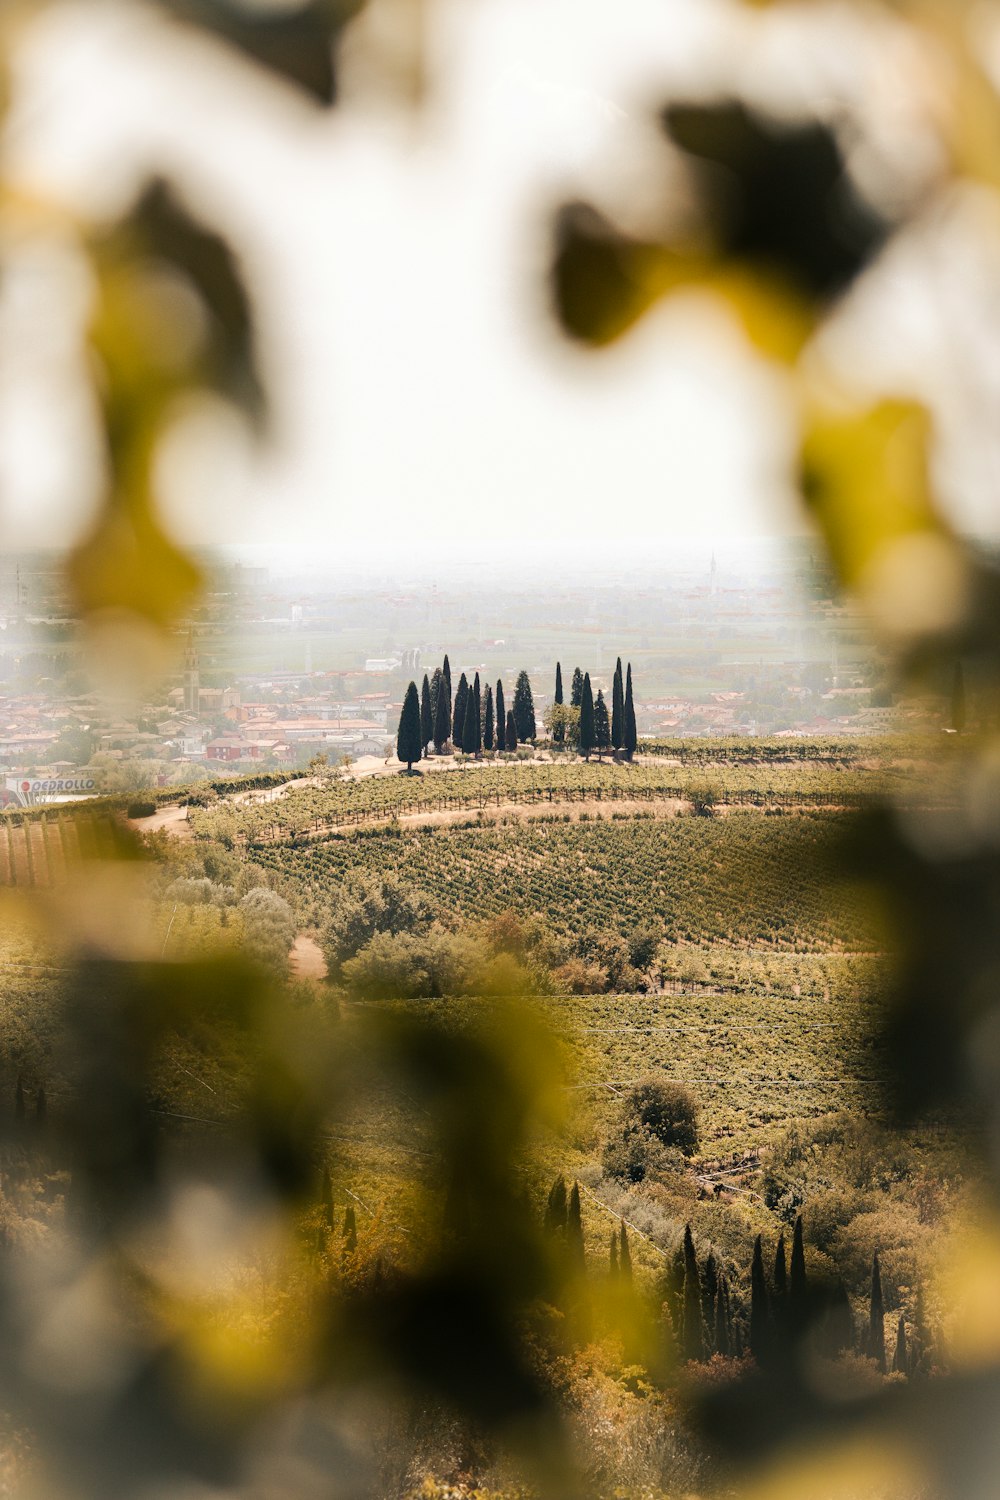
{"x":446,"y":674}
{"x":350,"y":1230}
{"x":326,"y":1198}
{"x":471,"y":735}
{"x":576,"y":688}
{"x":709,"y":1292}
{"x":675,"y":1286}
{"x":780,"y":1277}
{"x":442,"y":718}
{"x":488,"y":725}
{"x":511,"y":731}
{"x":524,"y":708}
{"x":559,"y":732}
{"x":876,"y":1317}
{"x":477,"y":693}
{"x":721,"y":1330}
{"x":629,"y":737}
{"x":555,"y":1208}
{"x":586,"y":719}
{"x":502,"y":742}
{"x":408,"y":734}
{"x":798,"y":1293}
{"x":461,"y":694}
{"x":426,"y":714}
{"x":779,"y":1291}
{"x":624,"y":1254}
{"x":574,"y":1228}
{"x":693,"y":1342}
{"x":602,"y":733}
{"x":617,"y":709}
{"x":436,"y":680}
{"x":758,"y":1306}
{"x":958,"y":699}
{"x":901,"y":1357}
{"x":613,"y":1257}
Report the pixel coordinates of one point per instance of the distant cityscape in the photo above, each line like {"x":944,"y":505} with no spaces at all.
{"x":274,"y":669}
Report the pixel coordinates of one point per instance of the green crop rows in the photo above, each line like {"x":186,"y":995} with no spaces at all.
{"x":744,"y":880}
{"x":314,"y":810}
{"x":753,"y":1063}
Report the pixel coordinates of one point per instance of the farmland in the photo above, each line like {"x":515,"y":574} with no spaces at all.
{"x":746,"y":880}
{"x":317,"y":809}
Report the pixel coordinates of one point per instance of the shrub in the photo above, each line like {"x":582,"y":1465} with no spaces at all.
{"x":667,"y":1110}
{"x":141,"y":809}
{"x":634,"y":1154}
{"x":411,"y":966}
{"x":269,"y":927}
{"x":368,"y":906}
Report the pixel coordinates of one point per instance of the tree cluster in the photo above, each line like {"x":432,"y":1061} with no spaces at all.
{"x":473,"y":720}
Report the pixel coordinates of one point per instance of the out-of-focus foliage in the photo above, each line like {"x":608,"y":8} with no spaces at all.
{"x":183,"y":1311}
{"x":779,"y":230}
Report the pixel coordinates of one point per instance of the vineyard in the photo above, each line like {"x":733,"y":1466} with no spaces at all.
{"x":314,"y":810}
{"x":36,"y":850}
{"x":753,"y":1064}
{"x":748,"y":881}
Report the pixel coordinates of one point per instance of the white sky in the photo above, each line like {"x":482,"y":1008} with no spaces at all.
{"x":425,"y":404}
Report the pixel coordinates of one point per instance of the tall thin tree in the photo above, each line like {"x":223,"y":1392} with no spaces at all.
{"x":461,"y":694}
{"x":574,"y":1229}
{"x":489,"y":728}
{"x":586,"y":719}
{"x":692,"y":1340}
{"x":576,"y":688}
{"x":617,"y":709}
{"x":876,"y":1317}
{"x":501,"y":712}
{"x":524,"y":708}
{"x":602,"y":730}
{"x":559,"y":730}
{"x":556,"y":1207}
{"x":408,"y":734}
{"x":472,"y":742}
{"x":426,"y":714}
{"x":510,"y":732}
{"x":629,"y":736}
{"x":624,"y":1254}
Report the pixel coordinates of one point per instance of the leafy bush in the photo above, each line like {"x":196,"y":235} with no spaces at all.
{"x":141,"y":809}
{"x":667,"y":1110}
{"x":634,"y":1154}
{"x":367,"y":906}
{"x":269,"y":928}
{"x":411,"y":966}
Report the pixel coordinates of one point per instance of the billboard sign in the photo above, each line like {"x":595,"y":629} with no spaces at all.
{"x":27,"y":791}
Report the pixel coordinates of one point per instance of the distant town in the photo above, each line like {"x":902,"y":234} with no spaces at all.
{"x":274,"y":669}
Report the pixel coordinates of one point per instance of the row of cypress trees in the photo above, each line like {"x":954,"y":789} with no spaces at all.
{"x":597,"y":730}
{"x":476,"y":719}
{"x":705,"y":1316}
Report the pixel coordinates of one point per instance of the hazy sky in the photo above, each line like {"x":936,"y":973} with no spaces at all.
{"x":425,"y":401}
